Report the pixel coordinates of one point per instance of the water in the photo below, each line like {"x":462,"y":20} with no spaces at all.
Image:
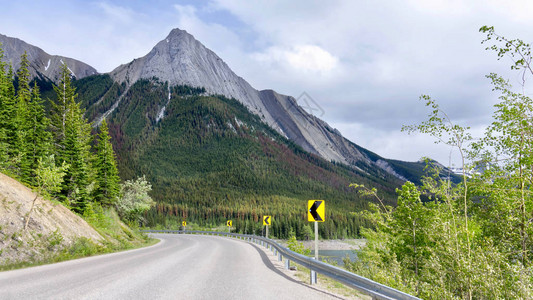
{"x":335,"y":256}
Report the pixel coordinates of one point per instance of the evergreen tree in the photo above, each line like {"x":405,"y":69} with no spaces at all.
{"x":72,"y":136}
{"x":23,"y":74}
{"x":37,"y":138}
{"x":13,"y":110}
{"x":19,"y":129}
{"x":66,"y":95}
{"x":107,"y":180}
{"x":4,"y":115}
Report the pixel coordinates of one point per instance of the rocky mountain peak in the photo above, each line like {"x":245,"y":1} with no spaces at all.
{"x":181,"y":59}
{"x":42,"y":64}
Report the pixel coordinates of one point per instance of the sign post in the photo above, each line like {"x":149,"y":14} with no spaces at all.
{"x":316,"y":210}
{"x":229,"y":223}
{"x":316,"y":240}
{"x":267,"y":220}
{"x":184,"y":225}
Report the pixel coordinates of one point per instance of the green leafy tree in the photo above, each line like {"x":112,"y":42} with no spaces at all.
{"x":471,"y":240}
{"x":48,"y":180}
{"x":107,"y":179}
{"x":296,"y":246}
{"x":507,"y":151}
{"x":134,"y":200}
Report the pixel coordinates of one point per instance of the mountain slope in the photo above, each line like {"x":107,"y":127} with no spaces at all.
{"x":182,"y":60}
{"x":42,"y":65}
{"x":215,"y":148}
{"x":209,"y":158}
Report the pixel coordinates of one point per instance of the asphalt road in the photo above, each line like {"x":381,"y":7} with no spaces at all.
{"x":178,"y":267}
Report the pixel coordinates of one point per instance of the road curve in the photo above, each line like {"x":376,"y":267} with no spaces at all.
{"x":178,"y":267}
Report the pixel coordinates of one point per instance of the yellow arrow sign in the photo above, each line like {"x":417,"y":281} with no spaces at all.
{"x":184,"y":223}
{"x":229,"y":223}
{"x":316,"y":210}
{"x":267,"y":220}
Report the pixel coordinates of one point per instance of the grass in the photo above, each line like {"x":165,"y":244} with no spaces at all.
{"x":326,"y":283}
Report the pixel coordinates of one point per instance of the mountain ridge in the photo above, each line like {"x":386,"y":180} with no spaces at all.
{"x":42,"y":64}
{"x":180,"y":59}
{"x":211,"y":157}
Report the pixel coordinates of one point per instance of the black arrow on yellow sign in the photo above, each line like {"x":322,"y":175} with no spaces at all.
{"x":266,"y":220}
{"x":316,"y":210}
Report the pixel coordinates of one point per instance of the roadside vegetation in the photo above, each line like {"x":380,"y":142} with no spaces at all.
{"x":470,"y":240}
{"x":52,"y":149}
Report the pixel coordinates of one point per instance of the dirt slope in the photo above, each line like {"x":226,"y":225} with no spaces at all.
{"x":51,"y":226}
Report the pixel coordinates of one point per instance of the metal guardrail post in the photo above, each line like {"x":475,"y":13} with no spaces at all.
{"x":287,"y":263}
{"x":312,"y":276}
{"x":279,"y":256}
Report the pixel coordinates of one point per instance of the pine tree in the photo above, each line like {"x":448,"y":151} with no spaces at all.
{"x":4,"y":102}
{"x":107,"y":180}
{"x":8,"y":111}
{"x":37,"y":139}
{"x":72,"y":136}
{"x":66,"y":95}
{"x":19,"y":128}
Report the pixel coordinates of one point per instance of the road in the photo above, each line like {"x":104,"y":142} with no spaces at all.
{"x":178,"y":267}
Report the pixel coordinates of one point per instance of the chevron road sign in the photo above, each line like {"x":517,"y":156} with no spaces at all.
{"x":316,"y":210}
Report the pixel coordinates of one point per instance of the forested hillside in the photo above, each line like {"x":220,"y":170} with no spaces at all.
{"x":209,"y":159}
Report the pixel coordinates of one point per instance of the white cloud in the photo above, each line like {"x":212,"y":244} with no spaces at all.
{"x":306,"y":58}
{"x":442,"y":7}
{"x":117,"y":13}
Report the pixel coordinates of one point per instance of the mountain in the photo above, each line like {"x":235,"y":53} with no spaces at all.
{"x":209,"y":158}
{"x":182,"y":60}
{"x":42,"y":65}
{"x":215,"y":148}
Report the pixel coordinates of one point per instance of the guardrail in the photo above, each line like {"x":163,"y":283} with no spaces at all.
{"x":365,"y":285}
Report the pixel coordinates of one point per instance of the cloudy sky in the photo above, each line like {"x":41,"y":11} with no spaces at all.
{"x":365,"y":63}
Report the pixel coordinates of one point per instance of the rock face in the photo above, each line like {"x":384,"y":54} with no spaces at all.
{"x":181,"y":59}
{"x":42,"y":64}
